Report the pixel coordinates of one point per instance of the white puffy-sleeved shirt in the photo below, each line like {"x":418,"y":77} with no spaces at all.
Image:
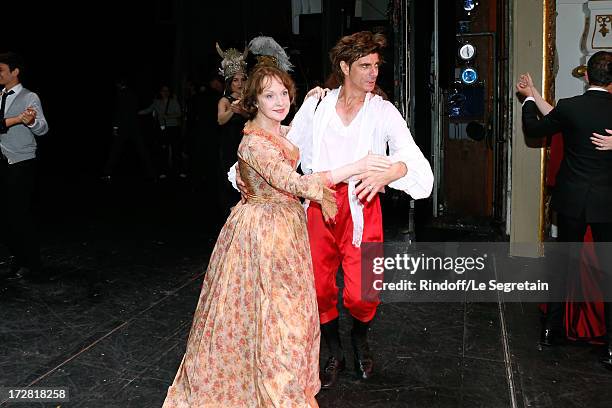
{"x":379,"y":125}
{"x":337,"y":145}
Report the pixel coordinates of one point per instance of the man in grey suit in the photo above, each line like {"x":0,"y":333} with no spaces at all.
{"x":21,"y":119}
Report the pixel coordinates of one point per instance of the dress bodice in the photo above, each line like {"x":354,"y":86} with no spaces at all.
{"x":258,"y":188}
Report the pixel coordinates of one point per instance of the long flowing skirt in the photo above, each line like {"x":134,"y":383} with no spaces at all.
{"x":255,"y":335}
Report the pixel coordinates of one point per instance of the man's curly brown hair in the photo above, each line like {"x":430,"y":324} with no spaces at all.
{"x":258,"y":79}
{"x":352,"y":47}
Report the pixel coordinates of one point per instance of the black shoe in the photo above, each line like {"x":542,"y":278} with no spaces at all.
{"x":14,"y":266}
{"x":607,"y":357}
{"x":364,"y":363}
{"x":550,"y":337}
{"x":19,"y":273}
{"x":333,"y":367}
{"x":38,"y":275}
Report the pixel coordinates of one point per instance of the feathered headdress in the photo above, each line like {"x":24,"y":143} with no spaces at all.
{"x":233,"y":61}
{"x":269,"y":51}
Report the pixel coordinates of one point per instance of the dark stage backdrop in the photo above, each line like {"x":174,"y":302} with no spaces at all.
{"x":74,"y":54}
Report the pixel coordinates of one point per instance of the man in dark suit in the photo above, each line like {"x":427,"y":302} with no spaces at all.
{"x":583,"y":192}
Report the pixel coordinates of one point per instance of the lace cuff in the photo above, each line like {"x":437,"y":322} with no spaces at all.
{"x":328,"y":204}
{"x":231,"y":176}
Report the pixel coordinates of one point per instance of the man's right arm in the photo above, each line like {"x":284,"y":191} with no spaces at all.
{"x":540,"y":127}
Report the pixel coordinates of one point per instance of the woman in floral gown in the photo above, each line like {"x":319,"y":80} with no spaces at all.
{"x":255,"y":335}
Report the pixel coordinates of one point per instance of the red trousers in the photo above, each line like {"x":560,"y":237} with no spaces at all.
{"x":331,"y":246}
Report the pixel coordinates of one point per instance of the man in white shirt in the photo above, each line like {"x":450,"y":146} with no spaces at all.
{"x":349,"y":122}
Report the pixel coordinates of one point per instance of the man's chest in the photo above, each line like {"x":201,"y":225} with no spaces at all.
{"x":347,"y":114}
{"x":15,"y":104}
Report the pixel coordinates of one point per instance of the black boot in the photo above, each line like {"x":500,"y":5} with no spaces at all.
{"x":607,"y":357}
{"x":336,"y":363}
{"x":551,"y":331}
{"x":546,"y":337}
{"x":364,"y":364}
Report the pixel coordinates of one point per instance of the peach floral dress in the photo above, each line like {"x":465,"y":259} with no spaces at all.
{"x":255,"y":335}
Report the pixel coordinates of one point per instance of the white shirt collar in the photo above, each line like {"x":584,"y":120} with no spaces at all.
{"x":597,"y":88}
{"x":16,"y":89}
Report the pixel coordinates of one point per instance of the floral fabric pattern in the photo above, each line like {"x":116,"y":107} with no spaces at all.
{"x":255,"y":335}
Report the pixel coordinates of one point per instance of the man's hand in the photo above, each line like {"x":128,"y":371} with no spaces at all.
{"x":28,"y":116}
{"x":602,"y":142}
{"x":373,"y":182}
{"x":241,"y":186}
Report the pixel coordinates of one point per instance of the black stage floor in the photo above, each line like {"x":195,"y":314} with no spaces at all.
{"x":128,"y":261}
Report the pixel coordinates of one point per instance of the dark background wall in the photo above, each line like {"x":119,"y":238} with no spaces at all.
{"x":74,"y":54}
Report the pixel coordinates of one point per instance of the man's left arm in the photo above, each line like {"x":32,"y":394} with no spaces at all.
{"x":410,"y":172}
{"x":39,"y":125}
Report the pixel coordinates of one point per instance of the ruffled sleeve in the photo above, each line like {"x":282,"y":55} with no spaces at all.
{"x":418,"y":181}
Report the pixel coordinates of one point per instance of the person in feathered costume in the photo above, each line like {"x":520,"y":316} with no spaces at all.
{"x":268,"y":51}
{"x":230,"y":115}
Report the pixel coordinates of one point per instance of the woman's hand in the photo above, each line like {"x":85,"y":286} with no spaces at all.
{"x":237,"y":108}
{"x":526,"y":78}
{"x":28,"y":116}
{"x":602,"y":142}
{"x":525,"y":85}
{"x":372,"y":162}
{"x":317,"y":92}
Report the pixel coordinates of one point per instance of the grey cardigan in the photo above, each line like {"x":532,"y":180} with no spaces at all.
{"x":18,"y":143}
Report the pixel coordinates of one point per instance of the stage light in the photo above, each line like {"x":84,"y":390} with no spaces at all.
{"x":467,"y":52}
{"x":469,"y":5}
{"x":456,"y":100}
{"x":469,"y":76}
{"x":463,"y":26}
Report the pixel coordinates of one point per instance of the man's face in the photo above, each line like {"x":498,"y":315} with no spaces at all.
{"x":363,"y":72}
{"x":8,"y":77}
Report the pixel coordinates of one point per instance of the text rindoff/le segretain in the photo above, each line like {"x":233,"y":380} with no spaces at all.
{"x":459,"y":285}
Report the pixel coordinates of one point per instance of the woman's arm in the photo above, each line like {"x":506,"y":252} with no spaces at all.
{"x":148,"y":110}
{"x":602,"y":142}
{"x":267,"y":160}
{"x":224,"y":111}
{"x":370,"y":162}
{"x":525,"y":82}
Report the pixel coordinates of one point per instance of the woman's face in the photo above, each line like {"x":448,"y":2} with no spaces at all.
{"x":273,"y":102}
{"x":238,"y":82}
